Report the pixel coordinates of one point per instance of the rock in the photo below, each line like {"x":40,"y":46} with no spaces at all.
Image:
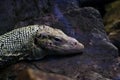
{"x":30,"y":74}
{"x":116,"y":69}
{"x":18,"y":13}
{"x":7,"y":16}
{"x":85,"y":24}
{"x":67,"y":5}
{"x":95,"y":76}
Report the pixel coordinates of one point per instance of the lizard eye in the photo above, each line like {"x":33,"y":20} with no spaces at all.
{"x":57,"y":39}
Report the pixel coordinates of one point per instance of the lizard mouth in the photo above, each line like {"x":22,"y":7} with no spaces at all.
{"x":64,"y":50}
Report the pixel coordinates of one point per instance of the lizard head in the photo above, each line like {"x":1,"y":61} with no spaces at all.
{"x":52,"y":39}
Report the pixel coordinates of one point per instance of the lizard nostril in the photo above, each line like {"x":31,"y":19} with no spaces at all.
{"x":50,"y":43}
{"x":75,"y":43}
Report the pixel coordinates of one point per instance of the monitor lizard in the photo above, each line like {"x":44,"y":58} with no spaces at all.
{"x":34,"y":42}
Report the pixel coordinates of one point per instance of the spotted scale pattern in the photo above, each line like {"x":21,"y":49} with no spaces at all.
{"x":16,"y":40}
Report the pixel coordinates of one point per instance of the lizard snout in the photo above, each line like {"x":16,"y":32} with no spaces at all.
{"x":74,"y":45}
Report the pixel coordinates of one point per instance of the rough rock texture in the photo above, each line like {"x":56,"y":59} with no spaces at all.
{"x":16,"y":12}
{"x":84,"y":24}
{"x":7,"y":17}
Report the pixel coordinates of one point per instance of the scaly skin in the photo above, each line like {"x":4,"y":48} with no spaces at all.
{"x":34,"y":42}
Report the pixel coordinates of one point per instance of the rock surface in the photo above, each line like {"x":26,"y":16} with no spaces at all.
{"x":85,"y":24}
{"x":7,"y":17}
{"x":16,"y":12}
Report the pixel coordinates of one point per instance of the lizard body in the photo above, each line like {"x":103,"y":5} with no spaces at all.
{"x":34,"y":42}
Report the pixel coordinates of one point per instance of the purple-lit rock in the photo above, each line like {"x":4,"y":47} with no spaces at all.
{"x":85,"y":24}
